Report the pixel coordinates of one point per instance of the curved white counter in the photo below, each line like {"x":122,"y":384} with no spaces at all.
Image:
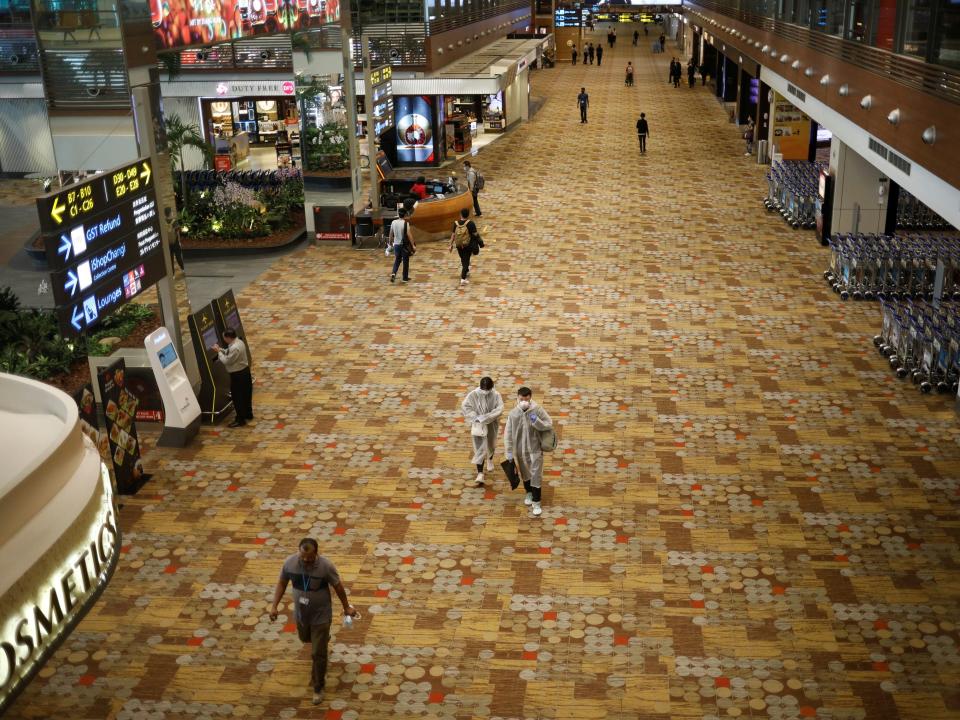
{"x":59,"y":538}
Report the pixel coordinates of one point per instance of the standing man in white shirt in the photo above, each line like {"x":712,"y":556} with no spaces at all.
{"x":234,"y":359}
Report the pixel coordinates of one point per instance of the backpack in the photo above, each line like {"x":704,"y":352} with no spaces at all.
{"x":479,"y":182}
{"x":461,"y":235}
{"x":548,"y":440}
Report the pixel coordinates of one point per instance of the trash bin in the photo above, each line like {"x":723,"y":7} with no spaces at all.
{"x":762,"y":158}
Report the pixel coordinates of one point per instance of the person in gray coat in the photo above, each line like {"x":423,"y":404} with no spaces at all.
{"x":482,"y":408}
{"x":522,"y":440}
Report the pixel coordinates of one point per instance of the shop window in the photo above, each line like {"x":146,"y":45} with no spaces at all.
{"x":947,"y":44}
{"x":916,"y":28}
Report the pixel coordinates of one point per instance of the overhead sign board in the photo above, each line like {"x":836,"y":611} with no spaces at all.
{"x":381,"y":115}
{"x":102,"y":240}
{"x":380,"y":75}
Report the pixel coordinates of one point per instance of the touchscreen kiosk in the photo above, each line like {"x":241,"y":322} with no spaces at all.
{"x":214,"y":394}
{"x":181,"y":410}
{"x":228,"y":318}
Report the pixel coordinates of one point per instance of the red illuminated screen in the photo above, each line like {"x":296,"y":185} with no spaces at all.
{"x":181,"y":23}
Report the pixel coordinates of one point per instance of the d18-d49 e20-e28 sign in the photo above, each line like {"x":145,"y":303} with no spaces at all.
{"x":102,"y":240}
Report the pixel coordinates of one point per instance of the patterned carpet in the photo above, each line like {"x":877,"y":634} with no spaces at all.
{"x":747,"y":516}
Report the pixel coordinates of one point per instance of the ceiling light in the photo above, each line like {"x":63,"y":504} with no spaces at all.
{"x":894,"y":117}
{"x":765,"y":47}
{"x":784,"y":58}
{"x":795,"y":65}
{"x":867,"y":102}
{"x":844,"y":90}
{"x":808,"y":72}
{"x":930,"y":135}
{"x":825,"y":80}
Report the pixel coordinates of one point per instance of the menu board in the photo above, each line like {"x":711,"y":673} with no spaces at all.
{"x":120,"y":409}
{"x":184,"y":23}
{"x":89,"y":425}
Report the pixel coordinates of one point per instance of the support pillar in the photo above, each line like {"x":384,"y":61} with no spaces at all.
{"x":860,"y":193}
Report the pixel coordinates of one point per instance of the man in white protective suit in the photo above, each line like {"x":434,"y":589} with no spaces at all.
{"x":482,"y":408}
{"x":522,"y":440}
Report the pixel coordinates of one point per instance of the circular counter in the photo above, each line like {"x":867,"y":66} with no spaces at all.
{"x":59,"y":538}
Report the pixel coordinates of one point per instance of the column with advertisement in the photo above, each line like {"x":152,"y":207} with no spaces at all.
{"x":790,"y":130}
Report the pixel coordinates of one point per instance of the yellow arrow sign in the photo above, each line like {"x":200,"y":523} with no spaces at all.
{"x":56,"y":212}
{"x":146,"y":173}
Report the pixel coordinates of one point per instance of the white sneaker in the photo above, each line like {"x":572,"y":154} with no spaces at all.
{"x":479,"y":479}
{"x":490,"y":464}
{"x":528,"y":500}
{"x":317,"y":698}
{"x":463,"y":282}
{"x":537,"y":510}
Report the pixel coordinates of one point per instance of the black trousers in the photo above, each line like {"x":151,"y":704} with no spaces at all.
{"x":643,"y":142}
{"x":465,"y":255}
{"x":583,"y":113}
{"x":241,"y":392}
{"x":476,"y":205}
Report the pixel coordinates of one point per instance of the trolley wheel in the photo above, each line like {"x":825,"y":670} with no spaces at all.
{"x":901,"y":372}
{"x":844,"y":295}
{"x":877,"y":340}
{"x":868,"y":295}
{"x":925,"y":387}
{"x":857,"y":295}
{"x":795,"y":225}
{"x":885,"y":349}
{"x":827,"y":275}
{"x":943,"y":388}
{"x":916,"y":377}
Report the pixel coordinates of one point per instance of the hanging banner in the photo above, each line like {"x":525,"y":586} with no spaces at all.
{"x":120,"y":409}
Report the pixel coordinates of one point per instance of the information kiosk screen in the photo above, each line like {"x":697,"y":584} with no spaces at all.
{"x":167,"y":356}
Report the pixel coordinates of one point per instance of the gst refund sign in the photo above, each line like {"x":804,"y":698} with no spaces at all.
{"x":31,"y":632}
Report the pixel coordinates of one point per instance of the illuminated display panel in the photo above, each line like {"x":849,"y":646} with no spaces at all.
{"x":186,"y":23}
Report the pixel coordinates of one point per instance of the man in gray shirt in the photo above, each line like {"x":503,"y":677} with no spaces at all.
{"x":312,"y":576}
{"x":234,"y":359}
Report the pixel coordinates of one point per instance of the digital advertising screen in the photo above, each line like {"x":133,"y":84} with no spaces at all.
{"x":184,"y":23}
{"x":414,"y":128}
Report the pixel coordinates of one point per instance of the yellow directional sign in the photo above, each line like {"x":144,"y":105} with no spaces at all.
{"x":56,"y":212}
{"x":146,"y":173}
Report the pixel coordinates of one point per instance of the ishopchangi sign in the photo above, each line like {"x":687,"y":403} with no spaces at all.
{"x":50,"y":608}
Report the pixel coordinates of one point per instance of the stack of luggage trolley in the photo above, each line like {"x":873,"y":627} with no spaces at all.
{"x":922,"y":341}
{"x":792,"y":191}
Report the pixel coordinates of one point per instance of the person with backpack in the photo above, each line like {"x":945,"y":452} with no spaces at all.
{"x":528,"y":433}
{"x":403,"y":245}
{"x":482,"y":408}
{"x":463,"y":237}
{"x":475,"y":183}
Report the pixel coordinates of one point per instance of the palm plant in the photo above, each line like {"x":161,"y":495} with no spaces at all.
{"x":181,"y":135}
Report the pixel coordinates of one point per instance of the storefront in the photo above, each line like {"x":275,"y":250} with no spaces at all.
{"x":252,"y":124}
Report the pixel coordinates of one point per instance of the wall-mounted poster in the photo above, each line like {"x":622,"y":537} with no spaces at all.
{"x":182,"y":23}
{"x":89,"y":426}
{"x":120,"y":409}
{"x":414,"y":129}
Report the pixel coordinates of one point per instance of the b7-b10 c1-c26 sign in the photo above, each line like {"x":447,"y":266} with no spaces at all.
{"x":182,"y":23}
{"x":103,"y":244}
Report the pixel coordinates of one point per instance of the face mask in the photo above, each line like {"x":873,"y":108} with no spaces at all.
{"x":485,"y":392}
{"x":523,"y":404}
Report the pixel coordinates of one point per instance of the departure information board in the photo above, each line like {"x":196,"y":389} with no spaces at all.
{"x":103,"y":244}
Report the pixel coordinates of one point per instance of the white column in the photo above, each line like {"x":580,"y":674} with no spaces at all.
{"x":860,"y":192}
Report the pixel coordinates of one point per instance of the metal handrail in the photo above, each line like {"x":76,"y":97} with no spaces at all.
{"x":936,"y":80}
{"x":441,"y":25}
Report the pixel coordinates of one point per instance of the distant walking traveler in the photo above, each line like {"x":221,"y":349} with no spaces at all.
{"x":573,"y":54}
{"x":403,"y":245}
{"x":599,"y":55}
{"x":636,"y":35}
{"x":474,"y":185}
{"x":642,"y":131}
{"x":482,"y":408}
{"x":691,"y":74}
{"x":748,"y":137}
{"x":583,"y":102}
{"x":628,"y":80}
{"x":312,"y":576}
{"x":234,"y":359}
{"x":663,"y":42}
{"x":463,"y":238}
{"x":589,"y":54}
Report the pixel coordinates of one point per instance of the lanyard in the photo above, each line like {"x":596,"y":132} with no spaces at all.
{"x":304,"y":578}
